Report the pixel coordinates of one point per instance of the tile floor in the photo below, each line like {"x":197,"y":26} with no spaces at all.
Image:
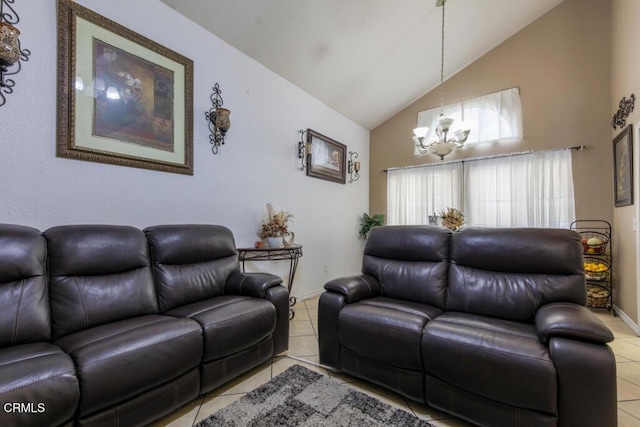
{"x":303,"y":342}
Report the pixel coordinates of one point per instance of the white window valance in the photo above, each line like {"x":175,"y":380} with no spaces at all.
{"x":491,"y":118}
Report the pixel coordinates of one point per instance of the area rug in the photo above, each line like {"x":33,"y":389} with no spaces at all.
{"x":301,"y":397}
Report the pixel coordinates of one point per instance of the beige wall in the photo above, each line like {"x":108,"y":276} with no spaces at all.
{"x":625,"y":66}
{"x":561,"y":63}
{"x":572,"y":66}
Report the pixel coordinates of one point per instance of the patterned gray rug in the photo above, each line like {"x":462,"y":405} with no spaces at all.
{"x":301,"y":397}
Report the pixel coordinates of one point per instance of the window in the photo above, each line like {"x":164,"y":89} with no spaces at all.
{"x":491,"y":118}
{"x":525,"y":190}
{"x":415,"y":193}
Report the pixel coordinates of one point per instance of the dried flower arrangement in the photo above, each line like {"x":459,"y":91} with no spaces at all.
{"x":452,"y":218}
{"x":275,"y":223}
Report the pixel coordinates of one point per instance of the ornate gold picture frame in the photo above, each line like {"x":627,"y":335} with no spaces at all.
{"x":123,"y":99}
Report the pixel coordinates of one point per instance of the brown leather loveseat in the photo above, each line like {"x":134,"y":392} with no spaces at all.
{"x":112,"y":325}
{"x":489,"y":325}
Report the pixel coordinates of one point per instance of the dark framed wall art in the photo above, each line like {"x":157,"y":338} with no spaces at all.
{"x":327,"y":159}
{"x":122,"y":98}
{"x":623,"y":167}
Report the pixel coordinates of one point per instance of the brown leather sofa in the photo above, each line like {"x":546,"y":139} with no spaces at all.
{"x":489,"y":325}
{"x":112,"y":325}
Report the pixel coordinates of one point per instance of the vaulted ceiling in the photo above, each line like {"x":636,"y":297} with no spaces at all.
{"x":367,"y":59}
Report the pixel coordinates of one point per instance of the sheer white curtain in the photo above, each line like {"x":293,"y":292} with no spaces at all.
{"x":529,"y":190}
{"x":491,"y":118}
{"x":415,"y":193}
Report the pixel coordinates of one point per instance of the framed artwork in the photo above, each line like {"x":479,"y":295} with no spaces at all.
{"x":122,"y":98}
{"x":623,"y":167}
{"x":327,"y":158}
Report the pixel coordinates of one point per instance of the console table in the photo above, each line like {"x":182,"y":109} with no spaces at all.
{"x":291,"y":253}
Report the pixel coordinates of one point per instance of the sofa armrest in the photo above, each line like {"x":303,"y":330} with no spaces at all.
{"x":587,"y":392}
{"x":279,"y":297}
{"x":250,"y":284}
{"x":568,"y":320}
{"x":354,"y":288}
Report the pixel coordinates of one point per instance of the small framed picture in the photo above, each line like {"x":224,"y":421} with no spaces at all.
{"x":122,"y":98}
{"x":327,"y":158}
{"x":623,"y":167}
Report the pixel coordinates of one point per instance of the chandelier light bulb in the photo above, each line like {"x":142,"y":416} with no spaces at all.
{"x":421,"y":132}
{"x":444,"y":124}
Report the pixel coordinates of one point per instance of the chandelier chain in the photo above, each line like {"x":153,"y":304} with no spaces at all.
{"x":442,"y":64}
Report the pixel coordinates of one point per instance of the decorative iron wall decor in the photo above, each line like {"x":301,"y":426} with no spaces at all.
{"x":353,"y":167}
{"x":304,"y":149}
{"x":122,"y":98}
{"x":218,"y":118}
{"x":11,"y":54}
{"x":625,"y":108}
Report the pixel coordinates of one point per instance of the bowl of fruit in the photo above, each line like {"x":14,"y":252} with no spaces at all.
{"x":596,"y":269}
{"x":593,"y":242}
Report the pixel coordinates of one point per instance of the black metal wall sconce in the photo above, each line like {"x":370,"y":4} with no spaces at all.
{"x":11,"y":55}
{"x":353,"y":168}
{"x":304,"y":150}
{"x":218,"y":118}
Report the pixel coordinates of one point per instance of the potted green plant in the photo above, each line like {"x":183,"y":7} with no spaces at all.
{"x":275,"y":227}
{"x":368,"y":222}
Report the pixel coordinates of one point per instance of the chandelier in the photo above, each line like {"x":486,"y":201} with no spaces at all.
{"x":444,"y":144}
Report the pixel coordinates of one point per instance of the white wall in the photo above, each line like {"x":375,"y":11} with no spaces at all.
{"x":257,"y":165}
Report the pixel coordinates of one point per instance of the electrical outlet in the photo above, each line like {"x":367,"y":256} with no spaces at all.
{"x":634,"y":224}
{"x":326,"y":268}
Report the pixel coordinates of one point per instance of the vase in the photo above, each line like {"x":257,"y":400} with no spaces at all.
{"x":289,"y":243}
{"x":275,"y":242}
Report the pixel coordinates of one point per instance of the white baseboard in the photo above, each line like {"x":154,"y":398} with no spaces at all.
{"x":309,"y":295}
{"x":627,"y":320}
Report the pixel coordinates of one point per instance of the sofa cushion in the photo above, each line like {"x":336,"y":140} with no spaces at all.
{"x":42,"y":375}
{"x":191,"y":262}
{"x":98,"y":274}
{"x":377,"y":328}
{"x":542,"y":266}
{"x":24,"y":306}
{"x":409,"y":262}
{"x":230,"y":323}
{"x":123,"y":359}
{"x":501,"y":360}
